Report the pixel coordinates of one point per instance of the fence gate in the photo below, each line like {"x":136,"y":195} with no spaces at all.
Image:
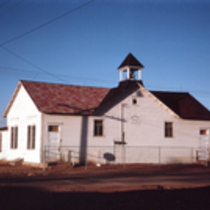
{"x":120,"y":153}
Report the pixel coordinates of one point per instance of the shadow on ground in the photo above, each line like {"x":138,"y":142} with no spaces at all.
{"x":30,"y":198}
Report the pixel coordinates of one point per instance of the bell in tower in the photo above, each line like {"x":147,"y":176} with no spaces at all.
{"x":131,"y":67}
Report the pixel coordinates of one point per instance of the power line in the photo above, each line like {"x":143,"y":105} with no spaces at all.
{"x":3,"y":68}
{"x":15,"y":69}
{"x":46,"y":23}
{"x":176,"y":89}
{"x":30,"y":63}
{"x":36,"y":28}
{"x":57,"y":76}
{"x":11,"y":7}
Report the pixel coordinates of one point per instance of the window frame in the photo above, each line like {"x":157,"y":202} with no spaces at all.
{"x":53,"y":128}
{"x":168,"y":130}
{"x":98,"y":129}
{"x":14,"y":137}
{"x":134,"y":101}
{"x":31,"y":137}
{"x":204,"y":132}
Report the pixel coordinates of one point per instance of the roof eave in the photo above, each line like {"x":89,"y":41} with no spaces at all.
{"x":120,"y":97}
{"x":164,"y":105}
{"x":66,"y":114}
{"x":130,"y":67}
{"x":12,"y":99}
{"x":195,"y":119}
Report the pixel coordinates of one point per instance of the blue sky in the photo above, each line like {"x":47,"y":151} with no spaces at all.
{"x":171,"y":38}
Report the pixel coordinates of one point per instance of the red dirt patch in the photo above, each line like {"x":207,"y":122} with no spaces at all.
{"x":106,"y":187}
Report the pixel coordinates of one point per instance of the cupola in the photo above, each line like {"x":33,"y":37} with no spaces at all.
{"x":130,"y":69}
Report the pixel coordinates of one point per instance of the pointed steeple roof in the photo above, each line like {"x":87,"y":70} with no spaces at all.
{"x":132,"y":62}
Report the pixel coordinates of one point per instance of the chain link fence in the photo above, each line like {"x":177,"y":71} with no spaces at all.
{"x":120,"y":154}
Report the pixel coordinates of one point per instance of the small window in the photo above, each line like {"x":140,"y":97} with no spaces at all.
{"x":204,"y":132}
{"x":53,"y":128}
{"x":134,"y":101}
{"x":31,"y":137}
{"x":98,"y":128}
{"x":14,"y":138}
{"x":168,"y":129}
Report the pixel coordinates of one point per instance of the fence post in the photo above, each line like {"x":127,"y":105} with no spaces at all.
{"x":114,"y":151}
{"x":124,"y":155}
{"x":85,"y":161}
{"x":69,"y":156}
{"x":43,"y":157}
{"x":48,"y":153}
{"x":159,"y":155}
{"x":191,"y":155}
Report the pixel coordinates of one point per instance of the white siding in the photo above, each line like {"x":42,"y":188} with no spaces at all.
{"x":144,"y":131}
{"x":70,"y":128}
{"x":22,"y":113}
{"x":143,"y":124}
{"x":71,"y":137}
{"x":4,"y":143}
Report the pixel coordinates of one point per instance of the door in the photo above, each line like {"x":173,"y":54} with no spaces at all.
{"x":203,"y":153}
{"x":54,"y":142}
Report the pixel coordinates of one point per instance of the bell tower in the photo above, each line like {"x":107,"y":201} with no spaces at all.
{"x":130,"y":69}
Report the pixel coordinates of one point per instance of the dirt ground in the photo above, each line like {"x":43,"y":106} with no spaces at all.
{"x":11,"y":170}
{"x":107,"y":187}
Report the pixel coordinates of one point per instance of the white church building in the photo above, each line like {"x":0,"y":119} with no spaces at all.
{"x":125,"y":124}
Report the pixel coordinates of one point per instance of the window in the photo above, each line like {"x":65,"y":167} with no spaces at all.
{"x":31,"y":137}
{"x":168,"y":129}
{"x":98,"y":128}
{"x":53,"y":128}
{"x":134,"y":101}
{"x":204,"y":132}
{"x":14,"y":137}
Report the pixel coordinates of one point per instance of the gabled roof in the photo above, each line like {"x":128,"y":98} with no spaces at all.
{"x":12,"y":100}
{"x":80,"y":100}
{"x":183,"y":104}
{"x":131,"y":61}
{"x":117,"y":94}
{"x":64,"y":99}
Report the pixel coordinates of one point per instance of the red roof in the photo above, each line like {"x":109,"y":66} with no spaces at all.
{"x":115,"y":95}
{"x":64,"y":99}
{"x":69,"y":99}
{"x":183,"y":104}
